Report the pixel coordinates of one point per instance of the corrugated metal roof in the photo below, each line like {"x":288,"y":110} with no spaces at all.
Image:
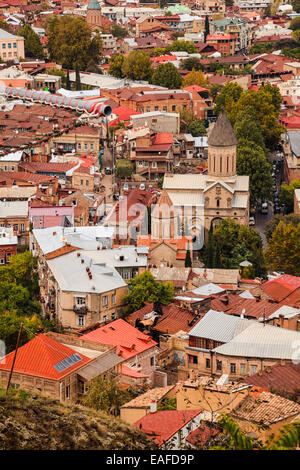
{"x":263,"y":341}
{"x":218,"y":326}
{"x":99,"y":366}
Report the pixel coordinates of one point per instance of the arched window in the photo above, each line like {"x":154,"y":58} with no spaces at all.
{"x":218,"y":202}
{"x":228,"y":202}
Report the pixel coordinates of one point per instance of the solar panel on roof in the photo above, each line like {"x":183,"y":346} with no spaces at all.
{"x":68,"y":362}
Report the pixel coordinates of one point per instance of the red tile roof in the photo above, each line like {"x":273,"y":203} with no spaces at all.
{"x":172,"y":320}
{"x":162,"y":425}
{"x":129,"y":340}
{"x":124,"y":113}
{"x":47,"y":167}
{"x":163,"y":138}
{"x":201,"y":435}
{"x":39,"y":356}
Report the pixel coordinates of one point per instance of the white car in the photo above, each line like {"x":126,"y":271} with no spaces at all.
{"x":125,"y":187}
{"x":251,"y":221}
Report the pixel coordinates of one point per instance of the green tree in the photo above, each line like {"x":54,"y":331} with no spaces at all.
{"x":196,"y":78}
{"x":22,"y":270}
{"x":191,"y":63}
{"x":184,"y":46}
{"x":286,"y":195}
{"x":197,"y":128}
{"x":115,"y":66}
{"x":286,"y":219}
{"x":32,"y":44}
{"x":124,"y":168}
{"x":137,"y":66}
{"x":118,"y":32}
{"x":166,"y":75}
{"x":105,"y":394}
{"x":229,"y":95}
{"x":296,"y":35}
{"x":188,"y":259}
{"x":144,"y":288}
{"x":251,"y":160}
{"x":206,"y":28}
{"x":283,"y":252}
{"x":230,"y":243}
{"x":70,"y":42}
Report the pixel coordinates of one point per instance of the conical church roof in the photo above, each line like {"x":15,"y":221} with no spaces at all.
{"x":222,"y":134}
{"x":93,"y":5}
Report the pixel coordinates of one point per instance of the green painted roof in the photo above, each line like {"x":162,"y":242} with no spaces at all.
{"x":93,"y":5}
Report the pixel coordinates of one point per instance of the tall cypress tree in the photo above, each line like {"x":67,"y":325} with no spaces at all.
{"x":206,"y":28}
{"x":188,"y":259}
{"x":77,"y":83}
{"x":68,"y":83}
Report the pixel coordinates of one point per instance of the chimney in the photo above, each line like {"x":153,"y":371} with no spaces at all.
{"x":153,"y":406}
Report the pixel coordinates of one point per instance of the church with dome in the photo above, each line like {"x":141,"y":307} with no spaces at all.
{"x":200,"y":201}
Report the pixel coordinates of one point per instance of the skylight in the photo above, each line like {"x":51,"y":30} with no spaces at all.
{"x":68,"y":362}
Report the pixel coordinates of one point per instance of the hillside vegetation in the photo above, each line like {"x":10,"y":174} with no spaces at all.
{"x":33,"y":422}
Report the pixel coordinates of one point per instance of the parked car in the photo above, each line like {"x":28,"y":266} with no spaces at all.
{"x":251,"y":221}
{"x":264,"y":208}
{"x":125,"y":187}
{"x":276,"y":209}
{"x":142,"y":186}
{"x":116,"y":197}
{"x":108,"y":170}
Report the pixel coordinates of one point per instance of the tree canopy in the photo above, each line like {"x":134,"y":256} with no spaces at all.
{"x":32,"y":44}
{"x":264,"y":104}
{"x":230,"y":243}
{"x":115,"y":66}
{"x":286,"y":219}
{"x":197,"y":128}
{"x":196,"y":78}
{"x":124,"y":168}
{"x":137,"y":66}
{"x":181,"y":45}
{"x":145,"y":288}
{"x":286,"y":195}
{"x":166,"y":75}
{"x":191,"y":63}
{"x":19,"y":290}
{"x":70,"y":42}
{"x":283,"y":252}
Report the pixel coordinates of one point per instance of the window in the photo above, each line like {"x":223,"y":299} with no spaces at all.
{"x":85,"y":146}
{"x":2,"y":261}
{"x":173,"y":108}
{"x":80,"y":320}
{"x":12,"y":168}
{"x":233,"y":368}
{"x":165,"y":108}
{"x":68,"y":391}
{"x":22,"y":228}
{"x":9,"y":45}
{"x":219,"y":365}
{"x":243,"y":369}
{"x":113,"y":299}
{"x":92,"y":146}
{"x":86,"y":182}
{"x":81,"y":182}
{"x":113,"y":316}
{"x":80,"y":301}
{"x":152,"y":361}
{"x":207,"y":363}
{"x":193,"y":359}
{"x":148,"y":109}
{"x":154,"y":165}
{"x":15,"y":45}
{"x":253,"y":369}
{"x":104,"y":318}
{"x":79,"y":146}
{"x":140,"y":163}
{"x":104,"y":300}
{"x":156,"y":108}
{"x":3,"y":46}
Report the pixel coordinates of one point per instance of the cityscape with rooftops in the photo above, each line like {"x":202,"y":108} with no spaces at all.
{"x":150,"y":227}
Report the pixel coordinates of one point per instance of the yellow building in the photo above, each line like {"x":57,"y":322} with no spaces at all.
{"x":11,"y":46}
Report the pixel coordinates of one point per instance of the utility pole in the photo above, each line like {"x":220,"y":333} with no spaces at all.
{"x":14,"y":360}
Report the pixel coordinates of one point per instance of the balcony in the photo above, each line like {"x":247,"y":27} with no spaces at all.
{"x":80,"y":309}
